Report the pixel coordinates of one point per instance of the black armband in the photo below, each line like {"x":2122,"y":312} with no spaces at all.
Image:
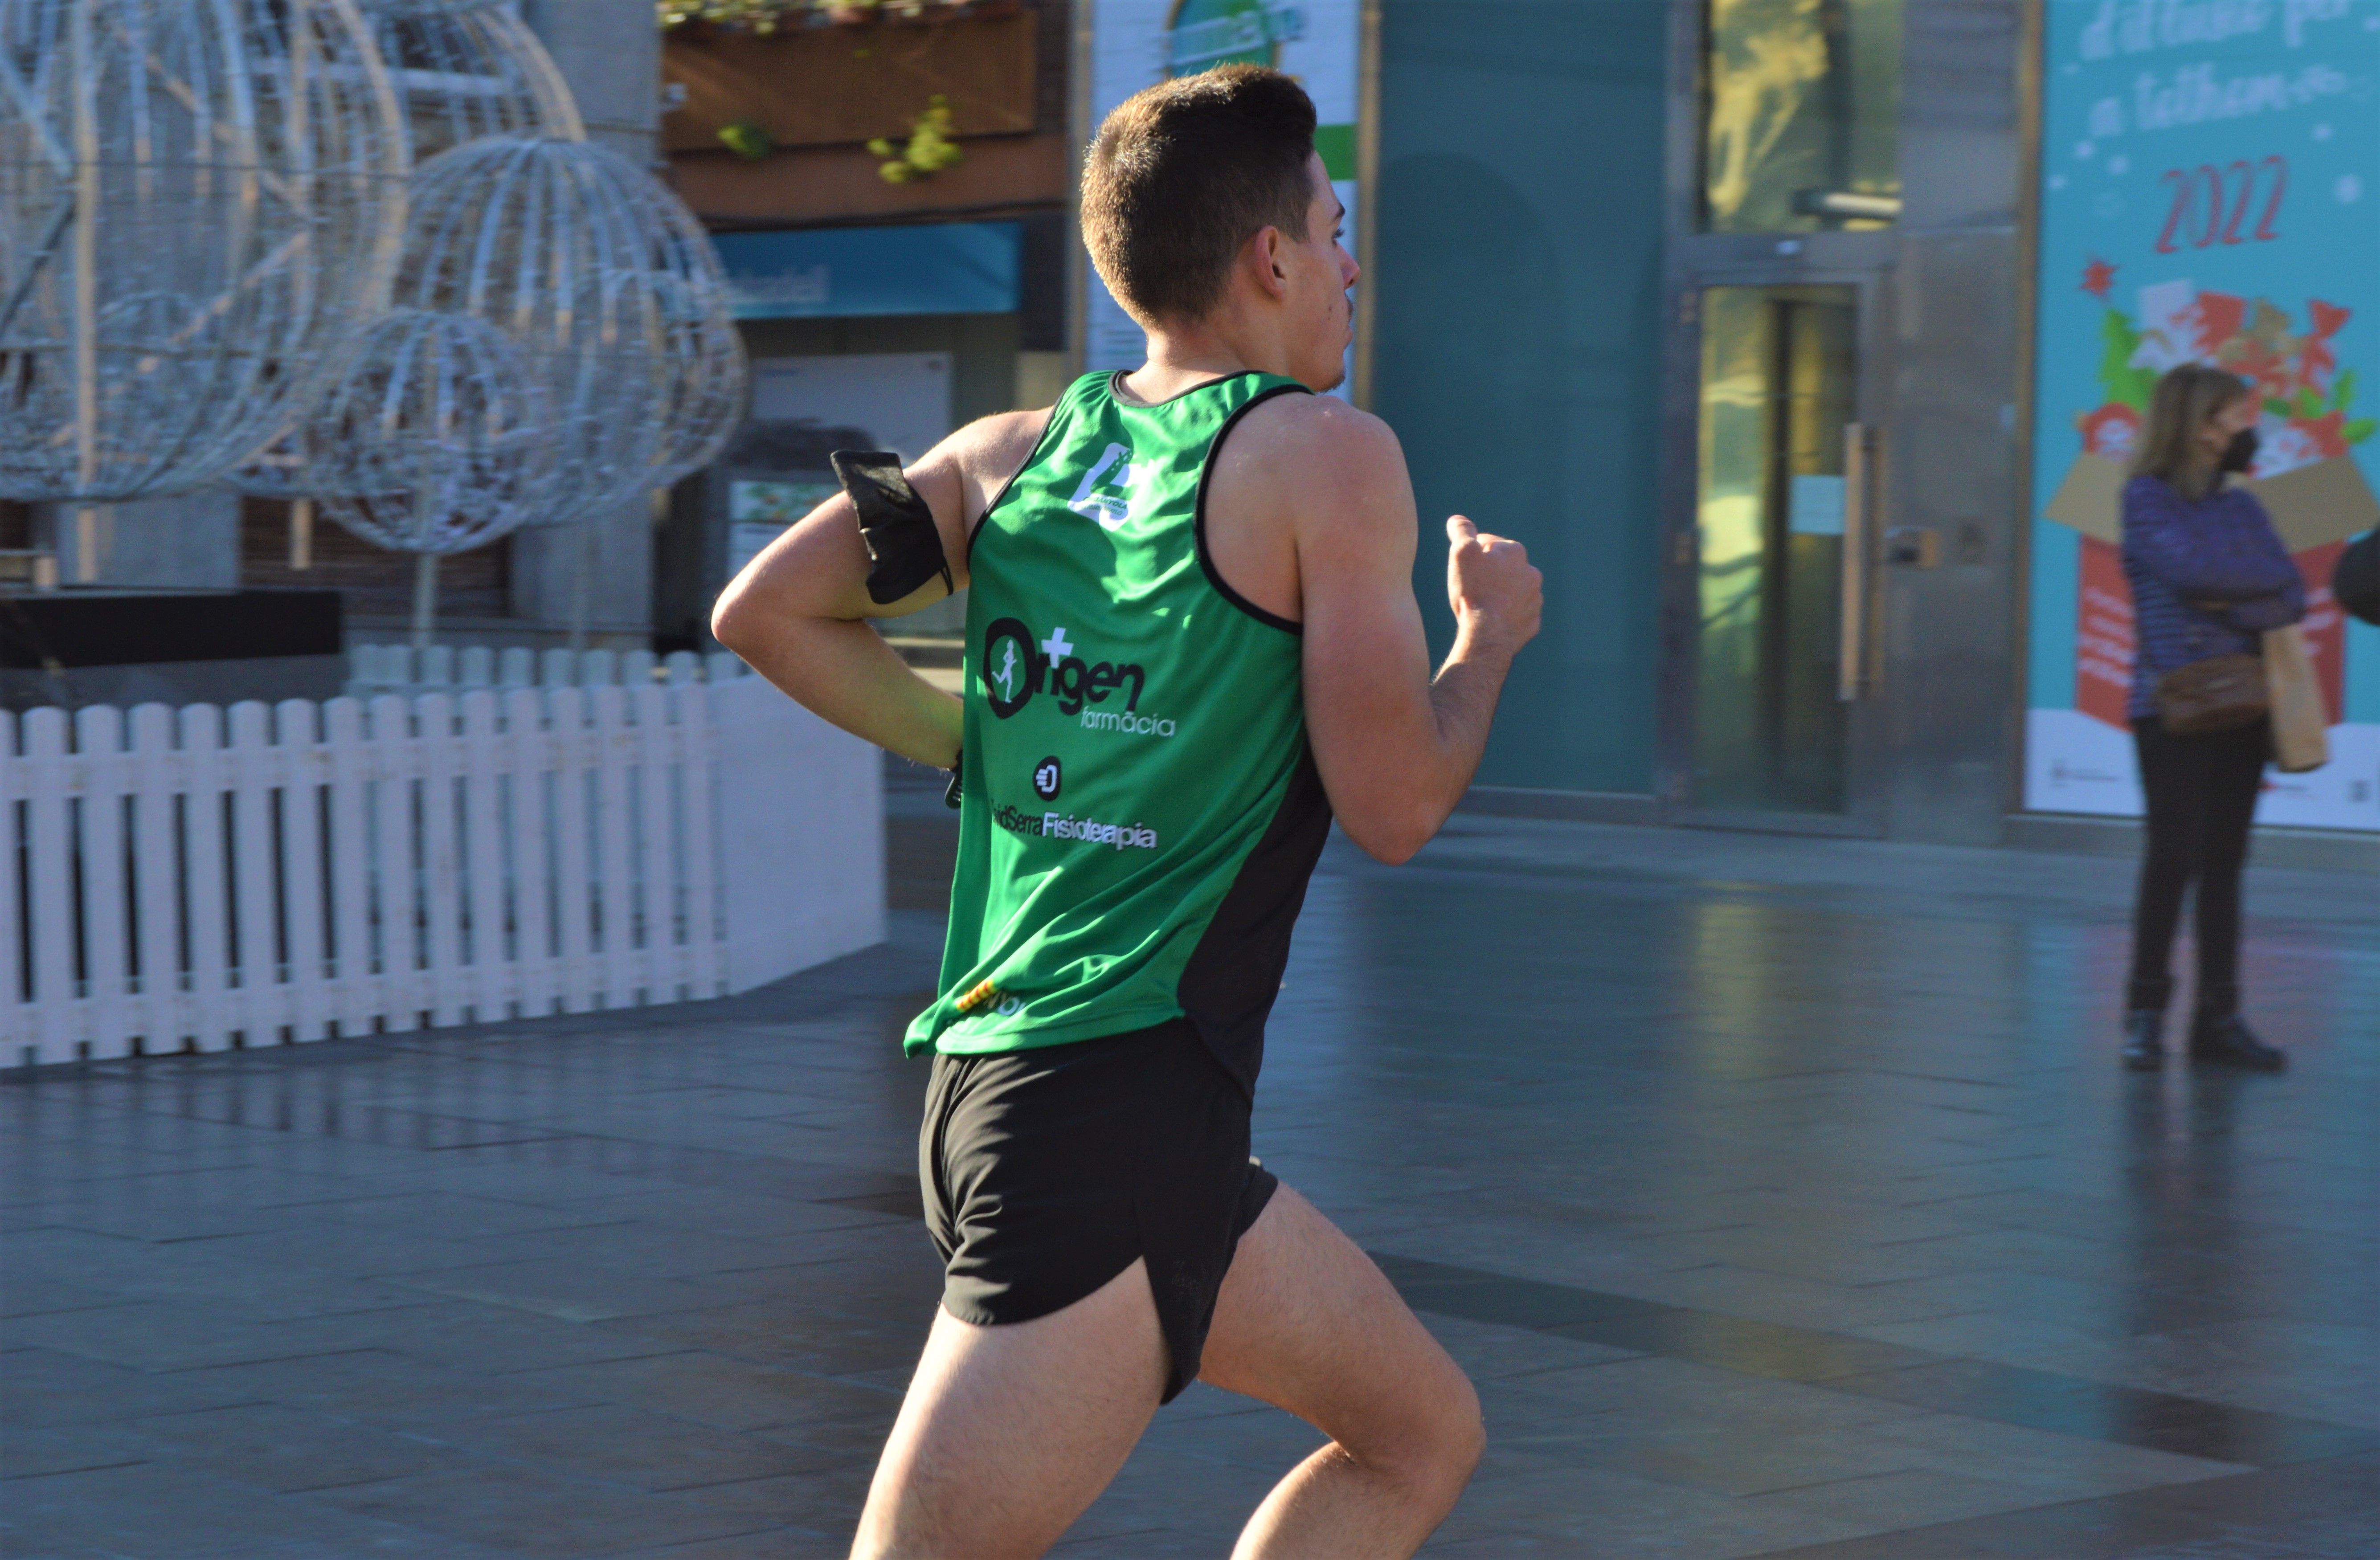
{"x":905,"y":548}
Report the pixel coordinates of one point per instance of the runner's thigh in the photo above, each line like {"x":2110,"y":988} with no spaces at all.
{"x":1306,"y":1323}
{"x":1009,"y":1432}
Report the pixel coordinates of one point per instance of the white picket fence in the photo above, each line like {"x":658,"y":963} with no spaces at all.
{"x":201,"y":879}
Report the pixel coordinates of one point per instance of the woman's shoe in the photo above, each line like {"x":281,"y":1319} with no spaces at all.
{"x":2229,"y":1042}
{"x":2145,"y":1039}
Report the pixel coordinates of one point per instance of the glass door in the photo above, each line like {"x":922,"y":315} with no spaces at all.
{"x":1781,"y":549}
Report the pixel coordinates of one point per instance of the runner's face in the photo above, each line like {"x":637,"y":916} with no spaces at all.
{"x":1320,"y":271}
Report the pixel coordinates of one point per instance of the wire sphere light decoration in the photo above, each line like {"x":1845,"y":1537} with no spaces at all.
{"x":427,"y":7}
{"x":195,"y":201}
{"x":460,"y":73}
{"x":463,"y":72}
{"x":607,"y":287}
{"x":703,"y":362}
{"x":434,"y":439}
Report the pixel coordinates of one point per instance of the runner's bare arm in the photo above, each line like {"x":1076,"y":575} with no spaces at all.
{"x":1397,"y":747}
{"x":797,"y":613}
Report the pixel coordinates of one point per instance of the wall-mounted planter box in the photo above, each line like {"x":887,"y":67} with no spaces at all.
{"x":839,"y":86}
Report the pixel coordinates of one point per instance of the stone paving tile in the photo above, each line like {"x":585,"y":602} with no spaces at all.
{"x":29,"y":1451}
{"x":566,"y":1289}
{"x":647,"y":1451}
{"x":157,"y":1336}
{"x":380,"y":1387}
{"x":2310,"y":1511}
{"x":517,"y":1509}
{"x":43,"y":1387}
{"x":726,"y":1394}
{"x":151,"y":1512}
{"x":771,"y":1544}
{"x":29,"y":1294}
{"x":1906,"y":1498}
{"x":651,"y":1282}
{"x":288,"y":1451}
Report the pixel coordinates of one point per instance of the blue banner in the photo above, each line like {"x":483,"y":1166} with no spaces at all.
{"x":940,"y":268}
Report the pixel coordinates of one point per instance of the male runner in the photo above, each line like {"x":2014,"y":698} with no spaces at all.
{"x":1192,"y":640}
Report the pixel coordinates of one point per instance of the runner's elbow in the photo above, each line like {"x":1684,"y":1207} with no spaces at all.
{"x":1393,"y":837}
{"x":732,"y":617}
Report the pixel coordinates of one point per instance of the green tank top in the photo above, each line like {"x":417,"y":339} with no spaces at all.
{"x":1139,"y":813}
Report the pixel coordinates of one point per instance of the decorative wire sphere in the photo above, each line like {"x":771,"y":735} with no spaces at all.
{"x":703,"y":358}
{"x":608,"y":286}
{"x":196,"y":200}
{"x":463,"y":72}
{"x":435,"y":438}
{"x":427,"y":7}
{"x":460,"y":73}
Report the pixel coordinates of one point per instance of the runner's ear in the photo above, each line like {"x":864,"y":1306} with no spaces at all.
{"x":905,"y":548}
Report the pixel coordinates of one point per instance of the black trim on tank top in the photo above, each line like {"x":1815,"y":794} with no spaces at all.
{"x":1229,"y":984}
{"x":1038,"y":445}
{"x":1115,"y":388}
{"x":1199,"y":515}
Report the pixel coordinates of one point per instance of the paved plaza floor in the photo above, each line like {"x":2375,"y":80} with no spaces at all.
{"x":1783,"y":1196}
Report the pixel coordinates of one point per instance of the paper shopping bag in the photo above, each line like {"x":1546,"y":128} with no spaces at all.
{"x":2301,"y":719}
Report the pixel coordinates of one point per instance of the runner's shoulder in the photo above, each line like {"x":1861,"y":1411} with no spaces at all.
{"x":996,"y":447}
{"x":1324,"y":461}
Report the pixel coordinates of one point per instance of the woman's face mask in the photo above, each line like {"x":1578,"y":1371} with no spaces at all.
{"x":2241,"y":452}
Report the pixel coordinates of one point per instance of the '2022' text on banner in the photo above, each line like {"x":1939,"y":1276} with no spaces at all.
{"x":1138,"y":43}
{"x":2210,"y":192}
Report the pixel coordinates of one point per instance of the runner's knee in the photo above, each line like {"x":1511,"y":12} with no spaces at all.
{"x":1437,"y":1445}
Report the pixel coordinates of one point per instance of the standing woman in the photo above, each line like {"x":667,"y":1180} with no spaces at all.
{"x":2209,"y":575}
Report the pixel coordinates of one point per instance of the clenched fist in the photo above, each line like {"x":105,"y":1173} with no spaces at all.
{"x":1497,"y":596}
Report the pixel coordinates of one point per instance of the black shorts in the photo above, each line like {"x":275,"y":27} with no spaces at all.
{"x":1047,"y":1171}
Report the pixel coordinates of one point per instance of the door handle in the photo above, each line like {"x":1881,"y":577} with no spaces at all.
{"x":1851,"y":675}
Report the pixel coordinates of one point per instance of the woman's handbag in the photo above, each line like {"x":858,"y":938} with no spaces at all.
{"x":2300,"y":715}
{"x":2220,"y":694}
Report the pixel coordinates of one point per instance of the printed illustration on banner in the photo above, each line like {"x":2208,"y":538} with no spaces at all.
{"x":2210,"y":193}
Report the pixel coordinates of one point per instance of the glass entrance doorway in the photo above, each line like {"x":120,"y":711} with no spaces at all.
{"x":1780,"y":511}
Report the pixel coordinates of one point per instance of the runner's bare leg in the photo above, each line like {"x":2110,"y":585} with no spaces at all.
{"x":1008,"y":1434}
{"x":1305,"y":1321}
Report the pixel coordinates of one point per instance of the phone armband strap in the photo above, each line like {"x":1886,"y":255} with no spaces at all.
{"x":905,"y":547}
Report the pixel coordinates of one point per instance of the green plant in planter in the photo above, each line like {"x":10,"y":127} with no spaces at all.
{"x":930,"y":149}
{"x":748,"y":139}
{"x":761,"y":17}
{"x":765,"y":18}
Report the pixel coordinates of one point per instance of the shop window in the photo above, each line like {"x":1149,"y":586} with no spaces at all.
{"x":1800,"y":130}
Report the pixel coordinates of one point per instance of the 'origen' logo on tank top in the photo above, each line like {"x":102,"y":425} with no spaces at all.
{"x":1115,"y":472}
{"x":1015,"y":667}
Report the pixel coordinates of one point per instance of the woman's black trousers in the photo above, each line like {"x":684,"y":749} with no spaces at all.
{"x":2202,"y":797}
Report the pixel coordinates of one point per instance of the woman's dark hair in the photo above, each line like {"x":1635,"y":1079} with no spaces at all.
{"x":1185,"y":172}
{"x":2182,"y":402}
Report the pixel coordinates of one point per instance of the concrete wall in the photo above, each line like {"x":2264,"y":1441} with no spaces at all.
{"x":609,"y":52}
{"x":1952,"y":715}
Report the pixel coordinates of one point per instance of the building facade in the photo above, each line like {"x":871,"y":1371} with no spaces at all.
{"x":1800,"y":340}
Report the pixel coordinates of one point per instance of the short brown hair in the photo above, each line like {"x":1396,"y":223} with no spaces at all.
{"x":2179,"y":407}
{"x":1185,"y":172}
